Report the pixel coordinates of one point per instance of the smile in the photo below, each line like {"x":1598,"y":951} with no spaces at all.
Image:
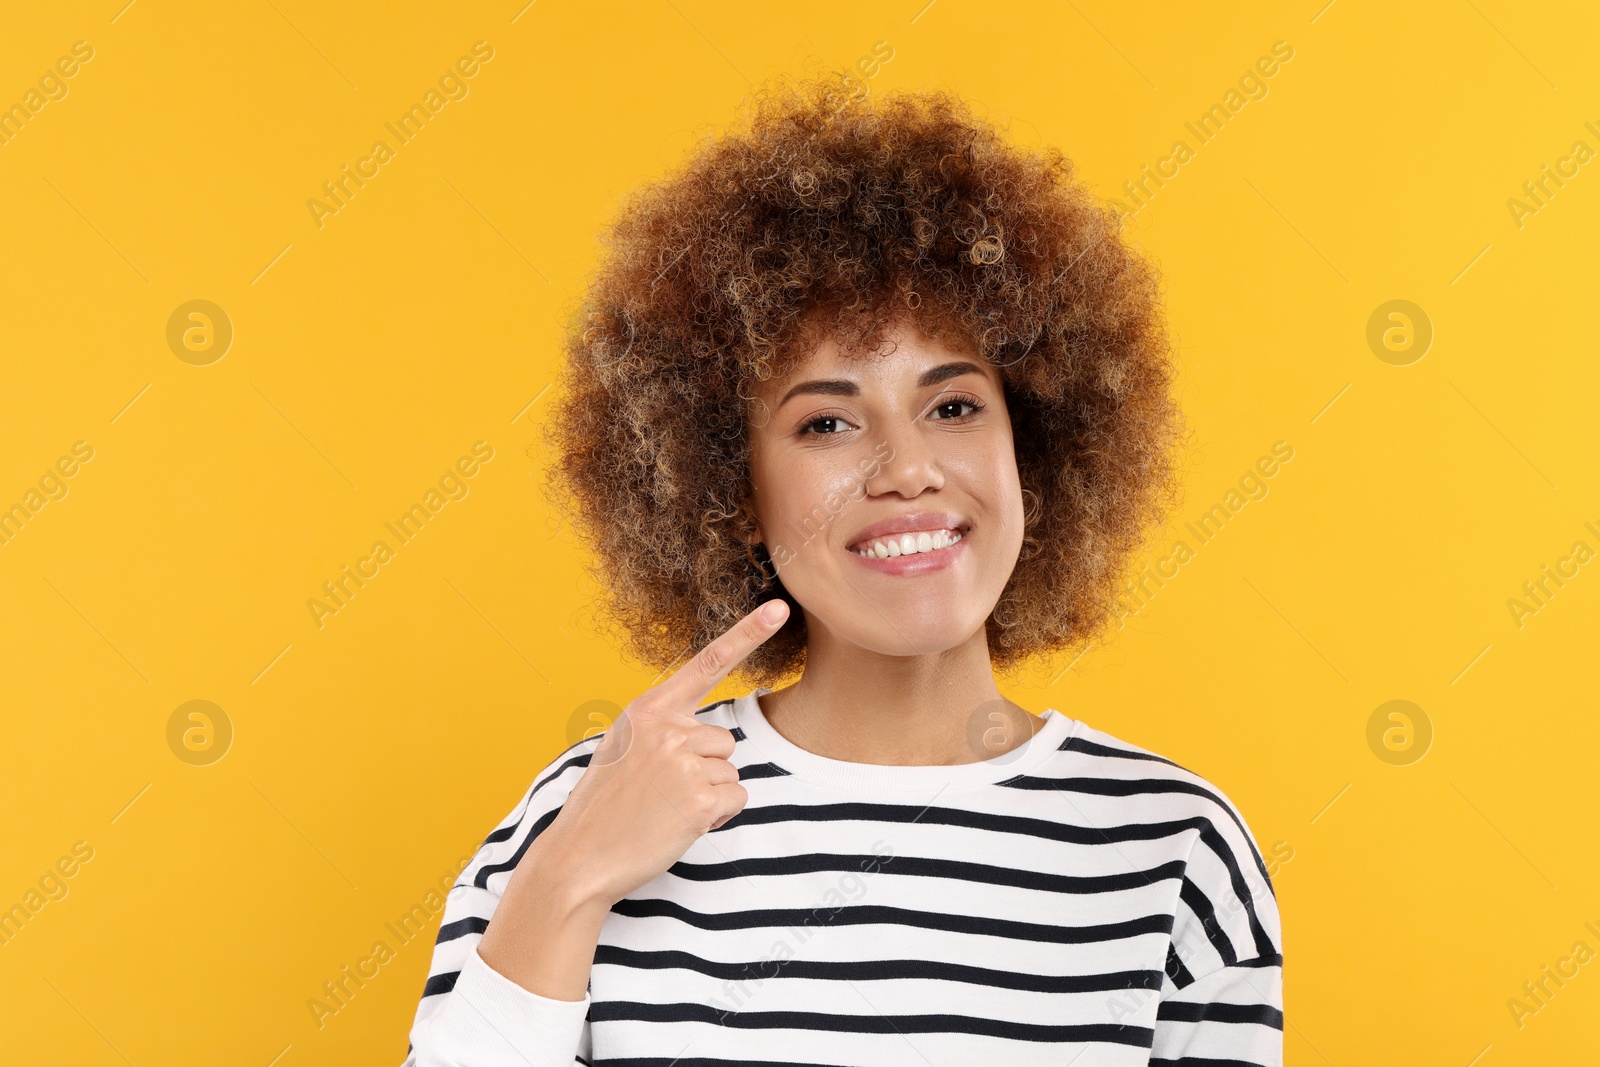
{"x":908,"y":544}
{"x":915,"y":552}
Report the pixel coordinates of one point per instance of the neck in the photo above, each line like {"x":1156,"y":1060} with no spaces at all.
{"x":861,"y":706}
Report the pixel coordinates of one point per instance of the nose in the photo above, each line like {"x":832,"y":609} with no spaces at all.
{"x":911,"y":467}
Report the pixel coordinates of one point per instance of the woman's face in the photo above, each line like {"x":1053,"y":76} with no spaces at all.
{"x":906,"y":450}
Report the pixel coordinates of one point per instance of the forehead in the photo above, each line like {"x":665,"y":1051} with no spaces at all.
{"x":904,"y":350}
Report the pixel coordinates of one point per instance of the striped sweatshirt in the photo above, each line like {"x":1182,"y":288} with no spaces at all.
{"x":1077,"y":900}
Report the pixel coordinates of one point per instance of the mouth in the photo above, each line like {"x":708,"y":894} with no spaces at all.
{"x":911,"y":542}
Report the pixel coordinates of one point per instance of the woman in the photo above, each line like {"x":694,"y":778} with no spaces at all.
{"x":867,"y":395}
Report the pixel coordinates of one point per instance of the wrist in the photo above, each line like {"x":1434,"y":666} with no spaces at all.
{"x":543,"y":934}
{"x":570,"y":882}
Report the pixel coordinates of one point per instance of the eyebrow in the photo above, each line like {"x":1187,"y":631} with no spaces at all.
{"x":844,"y":387}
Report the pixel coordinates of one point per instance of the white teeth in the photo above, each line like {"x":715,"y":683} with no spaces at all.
{"x":909,"y":544}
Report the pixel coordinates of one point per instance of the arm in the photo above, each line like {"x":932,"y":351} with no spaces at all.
{"x":530,"y":1008}
{"x":612,"y":813}
{"x":1222,"y":993}
{"x":1233,"y":1015}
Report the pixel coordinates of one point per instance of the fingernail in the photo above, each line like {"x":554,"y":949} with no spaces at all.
{"x":771,"y":611}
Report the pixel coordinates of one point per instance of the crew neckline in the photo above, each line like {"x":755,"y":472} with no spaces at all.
{"x":844,"y":775}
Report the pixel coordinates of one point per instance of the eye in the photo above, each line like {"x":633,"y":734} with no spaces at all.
{"x":829,"y":426}
{"x":959,"y":402}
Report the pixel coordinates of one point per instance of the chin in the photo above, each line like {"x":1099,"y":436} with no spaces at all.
{"x":905,"y":637}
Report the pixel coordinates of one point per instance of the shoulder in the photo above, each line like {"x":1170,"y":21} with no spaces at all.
{"x":1098,"y":763}
{"x":1226,"y":909}
{"x":542,"y":799}
{"x":550,"y":786}
{"x":562,"y":770}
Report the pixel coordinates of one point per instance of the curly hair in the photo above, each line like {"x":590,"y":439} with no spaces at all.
{"x":830,"y":213}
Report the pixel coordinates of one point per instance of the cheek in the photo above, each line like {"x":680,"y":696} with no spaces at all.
{"x":996,"y":484}
{"x":990,"y":466}
{"x":1009,"y":482}
{"x":813,"y":498}
{"x":798,"y":499}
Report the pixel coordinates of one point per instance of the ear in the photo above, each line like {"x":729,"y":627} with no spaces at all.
{"x":751,"y":532}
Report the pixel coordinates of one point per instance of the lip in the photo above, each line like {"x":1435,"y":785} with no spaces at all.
{"x":911,"y":520}
{"x":917,"y":562}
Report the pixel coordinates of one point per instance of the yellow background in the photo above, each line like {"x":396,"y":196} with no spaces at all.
{"x":371,"y":755}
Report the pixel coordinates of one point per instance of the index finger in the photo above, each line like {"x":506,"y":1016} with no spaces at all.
{"x":689,"y":685}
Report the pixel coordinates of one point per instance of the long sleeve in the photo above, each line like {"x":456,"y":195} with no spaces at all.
{"x":1233,"y":1015}
{"x":1222,"y":992}
{"x":469,"y":1014}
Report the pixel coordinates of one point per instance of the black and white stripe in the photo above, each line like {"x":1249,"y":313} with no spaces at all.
{"x":1101,"y":901}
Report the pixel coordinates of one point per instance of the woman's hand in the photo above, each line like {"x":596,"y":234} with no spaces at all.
{"x":658,"y":780}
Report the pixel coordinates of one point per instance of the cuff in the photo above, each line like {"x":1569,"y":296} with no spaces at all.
{"x":487,"y":1018}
